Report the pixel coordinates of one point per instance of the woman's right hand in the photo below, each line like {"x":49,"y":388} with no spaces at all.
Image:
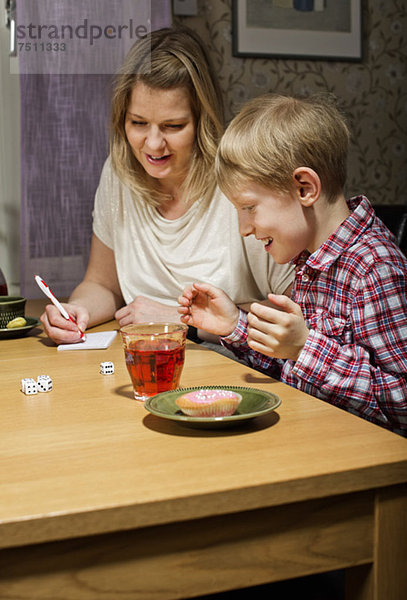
{"x":59,"y":329}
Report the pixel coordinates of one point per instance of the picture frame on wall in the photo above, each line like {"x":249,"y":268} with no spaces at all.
{"x":297,"y":29}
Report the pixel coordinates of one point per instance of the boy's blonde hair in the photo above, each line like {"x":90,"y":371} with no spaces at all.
{"x":166,"y":59}
{"x":274,"y":134}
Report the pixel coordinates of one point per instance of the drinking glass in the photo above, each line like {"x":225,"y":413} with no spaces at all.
{"x":154,"y":354}
{"x":3,"y":285}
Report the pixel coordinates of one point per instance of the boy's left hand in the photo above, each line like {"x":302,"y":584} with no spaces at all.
{"x":279,"y":332}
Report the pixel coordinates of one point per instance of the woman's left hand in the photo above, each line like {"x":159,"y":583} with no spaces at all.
{"x":143,"y":309}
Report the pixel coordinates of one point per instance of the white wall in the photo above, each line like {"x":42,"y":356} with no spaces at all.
{"x":9,"y":165}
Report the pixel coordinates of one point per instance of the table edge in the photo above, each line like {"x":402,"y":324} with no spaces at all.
{"x":59,"y":526}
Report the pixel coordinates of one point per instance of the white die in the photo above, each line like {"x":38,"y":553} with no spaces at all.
{"x":106,"y":368}
{"x":44,"y":383}
{"x":28,"y":386}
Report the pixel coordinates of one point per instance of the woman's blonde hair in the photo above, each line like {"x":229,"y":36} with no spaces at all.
{"x":275,"y":134}
{"x":166,"y":59}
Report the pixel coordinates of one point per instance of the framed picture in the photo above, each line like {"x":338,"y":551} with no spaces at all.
{"x":319,"y":29}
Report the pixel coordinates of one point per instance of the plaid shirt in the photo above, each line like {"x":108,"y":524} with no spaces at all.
{"x":353,"y":295}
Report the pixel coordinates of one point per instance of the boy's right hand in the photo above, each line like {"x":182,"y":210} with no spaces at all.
{"x":59,"y":329}
{"x":206,"y":307}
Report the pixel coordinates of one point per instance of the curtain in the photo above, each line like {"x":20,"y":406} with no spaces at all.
{"x":65,"y":103}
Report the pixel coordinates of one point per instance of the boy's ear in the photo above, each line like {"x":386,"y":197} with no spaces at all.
{"x":307,"y":185}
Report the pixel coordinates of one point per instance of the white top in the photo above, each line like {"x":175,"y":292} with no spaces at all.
{"x":158,"y":257}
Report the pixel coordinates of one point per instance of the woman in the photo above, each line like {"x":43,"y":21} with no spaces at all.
{"x":159,"y":220}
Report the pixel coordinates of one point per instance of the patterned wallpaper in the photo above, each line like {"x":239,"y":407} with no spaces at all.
{"x":373,"y":92}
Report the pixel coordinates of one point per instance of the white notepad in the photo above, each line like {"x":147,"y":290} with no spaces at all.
{"x":94,"y":341}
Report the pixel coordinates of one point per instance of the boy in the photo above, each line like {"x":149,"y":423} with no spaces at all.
{"x":343,"y":333}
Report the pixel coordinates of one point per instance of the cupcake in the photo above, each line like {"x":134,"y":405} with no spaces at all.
{"x":209,"y":403}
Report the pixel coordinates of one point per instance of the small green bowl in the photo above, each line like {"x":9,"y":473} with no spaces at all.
{"x":11,"y":307}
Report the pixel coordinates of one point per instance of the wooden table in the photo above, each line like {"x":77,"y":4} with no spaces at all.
{"x":101,"y":499}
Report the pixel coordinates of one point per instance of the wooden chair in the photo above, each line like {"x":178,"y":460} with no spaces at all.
{"x":394,"y":216}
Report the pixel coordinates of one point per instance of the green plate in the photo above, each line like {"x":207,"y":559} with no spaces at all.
{"x":17,"y":332}
{"x":255,"y":403}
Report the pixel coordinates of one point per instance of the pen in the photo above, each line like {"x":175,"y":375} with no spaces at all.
{"x":45,"y":288}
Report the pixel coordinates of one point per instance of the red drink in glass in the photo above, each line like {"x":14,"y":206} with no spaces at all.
{"x":154,"y":366}
{"x":3,"y":285}
{"x":154,"y":354}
